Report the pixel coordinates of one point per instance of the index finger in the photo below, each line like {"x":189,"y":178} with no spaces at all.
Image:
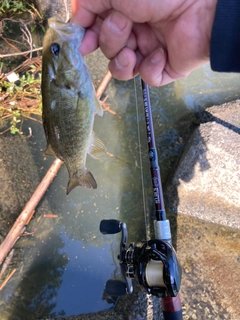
{"x":85,"y":11}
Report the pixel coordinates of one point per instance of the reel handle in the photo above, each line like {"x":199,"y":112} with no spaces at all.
{"x":110,"y":226}
{"x":172,"y":309}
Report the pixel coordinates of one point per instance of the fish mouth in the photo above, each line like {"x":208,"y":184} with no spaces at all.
{"x":66,"y":28}
{"x":57,"y":24}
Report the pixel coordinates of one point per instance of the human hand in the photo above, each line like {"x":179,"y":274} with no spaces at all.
{"x":159,"y":39}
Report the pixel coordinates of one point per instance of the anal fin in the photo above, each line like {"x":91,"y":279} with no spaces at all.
{"x":96,"y":148}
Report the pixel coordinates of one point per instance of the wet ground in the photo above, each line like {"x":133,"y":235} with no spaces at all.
{"x":204,"y":193}
{"x":209,"y":254}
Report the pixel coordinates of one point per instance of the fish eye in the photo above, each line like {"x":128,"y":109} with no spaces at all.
{"x":55,"y":49}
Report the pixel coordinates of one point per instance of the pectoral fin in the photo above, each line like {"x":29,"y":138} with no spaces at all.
{"x":81,"y":178}
{"x":96,"y":147}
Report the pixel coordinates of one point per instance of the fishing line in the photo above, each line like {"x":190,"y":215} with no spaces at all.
{"x":141,"y":165}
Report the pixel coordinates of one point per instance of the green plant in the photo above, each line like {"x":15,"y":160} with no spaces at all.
{"x":17,"y":7}
{"x":19,"y":100}
{"x":16,"y":115}
{"x":22,"y":98}
{"x":13,"y":6}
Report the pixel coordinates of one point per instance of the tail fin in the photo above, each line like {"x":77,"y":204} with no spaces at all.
{"x":82,"y":178}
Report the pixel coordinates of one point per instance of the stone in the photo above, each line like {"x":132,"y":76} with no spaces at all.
{"x":206,"y":182}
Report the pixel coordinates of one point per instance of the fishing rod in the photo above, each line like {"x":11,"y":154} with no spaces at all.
{"x":154,"y":262}
{"x":171,"y":304}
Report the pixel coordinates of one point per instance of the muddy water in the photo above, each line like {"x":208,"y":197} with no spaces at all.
{"x":63,"y":265}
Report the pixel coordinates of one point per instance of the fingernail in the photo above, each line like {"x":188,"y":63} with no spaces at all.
{"x":121,"y":60}
{"x":157,"y":55}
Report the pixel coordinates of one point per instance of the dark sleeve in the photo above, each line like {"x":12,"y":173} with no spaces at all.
{"x":225,"y":38}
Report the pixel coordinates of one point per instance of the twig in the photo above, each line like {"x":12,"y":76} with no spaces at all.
{"x":28,"y":38}
{"x":50,"y":215}
{"x":23,"y":218}
{"x":19,"y":53}
{"x":10,"y":45}
{"x":7,"y":279}
{"x":106,"y":108}
{"x":25,"y":65}
{"x":7,"y":261}
{"x":7,"y":116}
{"x":103,"y":85}
{"x":16,"y":21}
{"x":5,"y":131}
{"x":36,"y":11}
{"x":31,"y":118}
{"x":26,"y":35}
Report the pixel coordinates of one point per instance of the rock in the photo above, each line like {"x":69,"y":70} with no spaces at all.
{"x":206,"y":182}
{"x":204,"y":192}
{"x":209,"y":256}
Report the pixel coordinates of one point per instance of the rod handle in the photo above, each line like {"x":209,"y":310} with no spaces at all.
{"x":172,"y":309}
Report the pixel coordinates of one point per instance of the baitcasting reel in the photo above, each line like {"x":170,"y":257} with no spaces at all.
{"x":153,"y":263}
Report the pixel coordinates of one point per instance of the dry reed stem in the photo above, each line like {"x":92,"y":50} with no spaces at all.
{"x":7,"y":279}
{"x":103,"y":85}
{"x":19,"y":53}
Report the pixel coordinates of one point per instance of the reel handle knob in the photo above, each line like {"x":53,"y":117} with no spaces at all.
{"x":110,"y":226}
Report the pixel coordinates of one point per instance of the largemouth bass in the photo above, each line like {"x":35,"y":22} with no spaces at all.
{"x":69,"y":103}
